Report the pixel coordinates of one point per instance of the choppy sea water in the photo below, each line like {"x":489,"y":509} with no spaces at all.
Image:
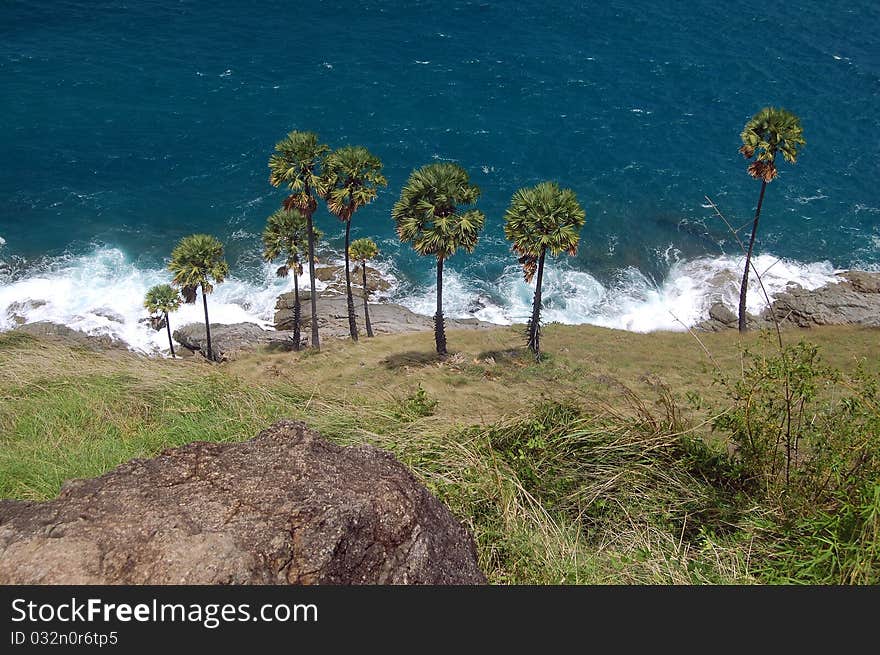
{"x":129,"y":125}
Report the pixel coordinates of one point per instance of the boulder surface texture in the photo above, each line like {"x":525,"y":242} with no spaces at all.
{"x":286,"y":507}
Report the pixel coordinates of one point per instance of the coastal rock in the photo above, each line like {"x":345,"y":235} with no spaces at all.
{"x":155,"y":322}
{"x":17,"y":311}
{"x":77,"y":337}
{"x":286,"y":507}
{"x":862,"y":281}
{"x":719,"y":312}
{"x":832,"y":304}
{"x":109,"y":314}
{"x":854,"y":300}
{"x":227,"y":341}
{"x":386,"y":318}
{"x":335,"y":277}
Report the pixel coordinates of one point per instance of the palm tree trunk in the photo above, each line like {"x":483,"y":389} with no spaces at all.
{"x":366,"y":294}
{"x":207,"y":324}
{"x":535,"y":322}
{"x":316,"y":340}
{"x":439,"y":326}
{"x":170,"y":341}
{"x":352,"y":325}
{"x":744,"y":287}
{"x":297,"y":311}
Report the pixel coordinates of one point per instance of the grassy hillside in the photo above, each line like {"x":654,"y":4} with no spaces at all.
{"x":612,"y":460}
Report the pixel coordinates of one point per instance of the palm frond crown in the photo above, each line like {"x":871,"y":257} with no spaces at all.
{"x":197,"y":260}
{"x":772,"y":130}
{"x":363,"y":249}
{"x":296,"y":163}
{"x":543,"y":217}
{"x":162,"y":299}
{"x":350,"y":178}
{"x":428,"y":213}
{"x":286,"y":235}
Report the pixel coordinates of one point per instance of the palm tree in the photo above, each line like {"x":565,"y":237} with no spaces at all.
{"x":286,"y":236}
{"x":163,"y":299}
{"x":769,"y":132}
{"x":297,"y":163}
{"x":350,"y":180}
{"x":197,"y":261}
{"x":542,"y":218}
{"x":362,"y":250}
{"x":427,"y":215}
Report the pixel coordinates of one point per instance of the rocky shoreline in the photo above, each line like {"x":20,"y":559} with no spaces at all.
{"x":853,"y":300}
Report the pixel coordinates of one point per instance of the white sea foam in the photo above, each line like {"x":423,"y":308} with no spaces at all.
{"x":102,"y":293}
{"x":82,"y":292}
{"x":630,"y":302}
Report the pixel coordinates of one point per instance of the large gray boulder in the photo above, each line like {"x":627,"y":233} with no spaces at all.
{"x":16,"y":311}
{"x":853,"y":301}
{"x":228,"y":341}
{"x":385,"y":318}
{"x":59,"y":332}
{"x":286,"y":507}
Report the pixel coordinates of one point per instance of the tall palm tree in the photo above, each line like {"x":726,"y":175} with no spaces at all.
{"x":163,"y":299}
{"x":286,"y":235}
{"x":428,"y":216}
{"x":197,"y":261}
{"x":351,"y":177}
{"x":769,"y":132}
{"x":362,"y":250}
{"x":542,"y":218}
{"x":297,"y":163}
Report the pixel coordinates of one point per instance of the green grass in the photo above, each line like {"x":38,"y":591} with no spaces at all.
{"x":596,"y":465}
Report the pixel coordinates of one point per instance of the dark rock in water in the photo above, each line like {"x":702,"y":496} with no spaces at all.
{"x":862,"y":281}
{"x":832,"y":304}
{"x":155,"y":322}
{"x":77,"y":337}
{"x":17,"y":311}
{"x":286,"y":507}
{"x":335,"y":276}
{"x":386,"y":318}
{"x":475,"y":305}
{"x":227,"y":341}
{"x":109,"y":314}
{"x":855,"y":300}
{"x":719,"y":312}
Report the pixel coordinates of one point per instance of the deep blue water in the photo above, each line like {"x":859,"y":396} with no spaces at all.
{"x":130,"y":124}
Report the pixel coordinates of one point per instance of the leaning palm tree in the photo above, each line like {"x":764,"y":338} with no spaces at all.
{"x":351,"y":177}
{"x":163,"y":299}
{"x":297,"y":163}
{"x":286,"y":236}
{"x":428,"y":216}
{"x":542,"y":218}
{"x":197,"y":261}
{"x":769,"y":132}
{"x":362,"y":250}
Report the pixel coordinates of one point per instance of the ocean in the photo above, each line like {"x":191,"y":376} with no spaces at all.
{"x":127,"y":125}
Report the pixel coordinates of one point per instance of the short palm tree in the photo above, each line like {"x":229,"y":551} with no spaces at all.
{"x":297,"y":163}
{"x":768,"y":133}
{"x":427,"y":215}
{"x":362,"y":250}
{"x":197,"y":261}
{"x":350,"y":179}
{"x":542,"y":218}
{"x":163,"y":299}
{"x":286,"y":235}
